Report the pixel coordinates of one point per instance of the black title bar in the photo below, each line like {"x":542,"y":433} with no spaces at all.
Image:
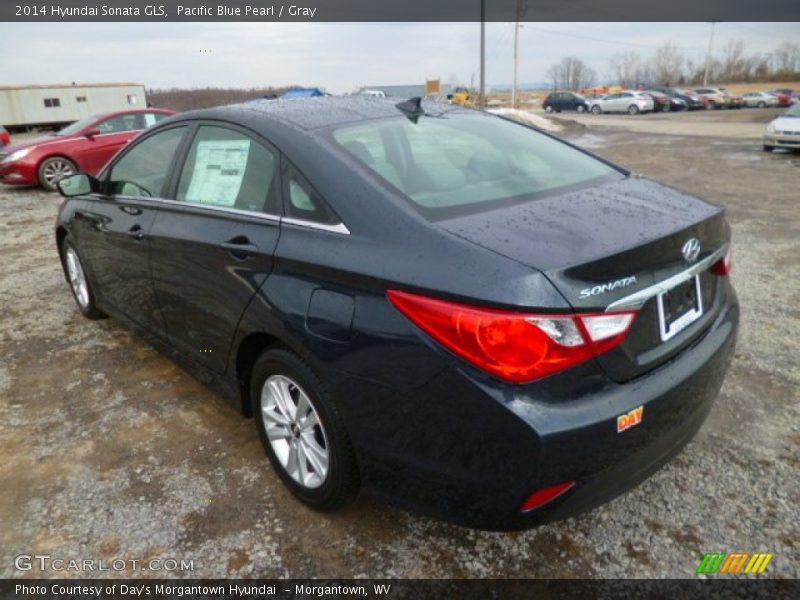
{"x":398,"y":10}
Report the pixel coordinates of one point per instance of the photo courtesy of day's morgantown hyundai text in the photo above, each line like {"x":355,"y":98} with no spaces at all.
{"x":459,"y":314}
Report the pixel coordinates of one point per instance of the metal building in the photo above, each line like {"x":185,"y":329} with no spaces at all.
{"x":49,"y":105}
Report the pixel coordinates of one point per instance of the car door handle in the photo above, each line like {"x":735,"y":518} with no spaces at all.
{"x":136,"y":232}
{"x":240,"y":247}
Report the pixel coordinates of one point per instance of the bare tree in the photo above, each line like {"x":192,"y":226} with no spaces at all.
{"x":571,"y":73}
{"x":734,"y":63}
{"x":625,"y":68}
{"x":667,"y":64}
{"x":787,"y":58}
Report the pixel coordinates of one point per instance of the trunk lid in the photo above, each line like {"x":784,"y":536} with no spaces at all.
{"x":603,"y":244}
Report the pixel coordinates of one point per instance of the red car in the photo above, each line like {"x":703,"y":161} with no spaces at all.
{"x":5,"y":139}
{"x":86,"y":145}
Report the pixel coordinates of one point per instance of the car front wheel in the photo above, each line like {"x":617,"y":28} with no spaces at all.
{"x":581,"y":108}
{"x":596,"y":110}
{"x":302,"y":432}
{"x":79,"y":282}
{"x":548,"y":109}
{"x":633,"y":109}
{"x":54,"y":169}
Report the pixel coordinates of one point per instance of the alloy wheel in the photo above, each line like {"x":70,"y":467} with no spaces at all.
{"x":57,"y":169}
{"x":77,"y":278}
{"x":295,"y":431}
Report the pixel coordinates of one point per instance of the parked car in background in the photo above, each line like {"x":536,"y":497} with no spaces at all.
{"x":5,"y":139}
{"x":784,"y":97}
{"x":629,"y":101}
{"x":788,"y":92}
{"x":86,"y":146}
{"x":565,"y":336}
{"x":759,"y":100}
{"x":733,"y":100}
{"x":373,"y":93}
{"x":558,"y":101}
{"x":681,"y":100}
{"x":661,"y":101}
{"x":715,"y":98}
{"x":784,"y":131}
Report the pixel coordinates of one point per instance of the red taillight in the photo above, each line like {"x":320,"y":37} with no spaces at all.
{"x":516,"y":347}
{"x":724,"y":265}
{"x":543,"y":496}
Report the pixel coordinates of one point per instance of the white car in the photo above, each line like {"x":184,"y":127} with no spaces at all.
{"x":629,"y":101}
{"x":784,"y":132}
{"x":760,"y":99}
{"x":374,"y":93}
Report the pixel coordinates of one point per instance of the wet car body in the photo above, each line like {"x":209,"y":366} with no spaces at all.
{"x":432,"y":431}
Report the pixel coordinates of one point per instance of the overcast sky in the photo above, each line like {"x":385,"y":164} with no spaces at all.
{"x":338,"y":56}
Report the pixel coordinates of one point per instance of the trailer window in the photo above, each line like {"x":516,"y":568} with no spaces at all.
{"x":52,"y":102}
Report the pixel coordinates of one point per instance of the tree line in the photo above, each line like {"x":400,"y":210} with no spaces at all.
{"x":191,"y":99}
{"x":669,"y":65}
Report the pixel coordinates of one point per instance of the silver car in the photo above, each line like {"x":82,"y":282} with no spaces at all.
{"x":627,"y":101}
{"x":759,"y":99}
{"x":784,"y":132}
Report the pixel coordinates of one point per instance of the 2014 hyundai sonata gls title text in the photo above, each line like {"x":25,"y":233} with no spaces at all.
{"x":457,"y":313}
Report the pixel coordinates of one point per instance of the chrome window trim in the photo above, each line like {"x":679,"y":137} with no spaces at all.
{"x":637,"y":299}
{"x":338,"y":228}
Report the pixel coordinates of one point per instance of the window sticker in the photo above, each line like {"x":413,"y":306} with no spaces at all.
{"x":219,"y":167}
{"x":149,"y":119}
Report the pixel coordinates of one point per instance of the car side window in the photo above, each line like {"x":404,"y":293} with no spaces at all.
{"x":130,"y":122}
{"x":142,"y":169}
{"x":228,"y":169}
{"x":302,"y":201}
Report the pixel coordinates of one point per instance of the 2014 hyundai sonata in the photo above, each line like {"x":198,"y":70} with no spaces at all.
{"x":458,"y":313}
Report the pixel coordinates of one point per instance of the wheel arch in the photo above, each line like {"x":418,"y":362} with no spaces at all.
{"x":250,"y":348}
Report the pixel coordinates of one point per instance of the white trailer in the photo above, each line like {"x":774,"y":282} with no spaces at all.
{"x":24,"y":106}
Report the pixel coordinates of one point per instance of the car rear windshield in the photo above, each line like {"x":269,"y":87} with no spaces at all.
{"x":460,"y":162}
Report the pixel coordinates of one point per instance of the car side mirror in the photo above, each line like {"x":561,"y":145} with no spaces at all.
{"x":91,"y":133}
{"x":79,"y":184}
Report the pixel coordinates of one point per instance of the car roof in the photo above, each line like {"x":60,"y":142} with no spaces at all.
{"x":318,"y":112}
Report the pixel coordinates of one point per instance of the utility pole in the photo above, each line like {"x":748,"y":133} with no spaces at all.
{"x":482,"y":96}
{"x":520,"y":13}
{"x":708,"y":54}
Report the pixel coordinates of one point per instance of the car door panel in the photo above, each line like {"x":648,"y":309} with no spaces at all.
{"x":213,"y":245}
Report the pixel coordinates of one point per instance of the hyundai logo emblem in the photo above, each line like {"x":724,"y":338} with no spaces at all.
{"x":691,"y":250}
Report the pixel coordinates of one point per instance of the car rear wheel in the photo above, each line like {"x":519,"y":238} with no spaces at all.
{"x":79,"y":282}
{"x":762,"y":104}
{"x":768,"y":148}
{"x":54,"y":169}
{"x":633,"y":109}
{"x":302,"y":432}
{"x":596,"y":110}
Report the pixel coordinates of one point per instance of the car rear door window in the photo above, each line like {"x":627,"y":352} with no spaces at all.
{"x":142,"y":169}
{"x":228,"y":169}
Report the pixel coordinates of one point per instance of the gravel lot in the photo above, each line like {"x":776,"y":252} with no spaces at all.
{"x":112,"y":451}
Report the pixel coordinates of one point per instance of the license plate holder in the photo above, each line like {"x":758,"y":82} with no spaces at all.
{"x":679,"y":307}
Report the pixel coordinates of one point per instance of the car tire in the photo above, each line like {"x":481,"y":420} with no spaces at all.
{"x":596,"y":110}
{"x":665,"y":108}
{"x":762,"y":104}
{"x":311,"y":453}
{"x":581,"y":108}
{"x":53,"y":169}
{"x":768,"y":148}
{"x":633,"y":109}
{"x":78,"y":281}
{"x":548,"y":109}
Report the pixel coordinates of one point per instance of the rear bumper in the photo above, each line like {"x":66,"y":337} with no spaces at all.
{"x":469,"y":450}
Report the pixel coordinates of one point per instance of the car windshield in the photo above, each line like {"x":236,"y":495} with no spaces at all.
{"x":77,"y":125}
{"x":793,"y":111}
{"x":446,"y":164}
